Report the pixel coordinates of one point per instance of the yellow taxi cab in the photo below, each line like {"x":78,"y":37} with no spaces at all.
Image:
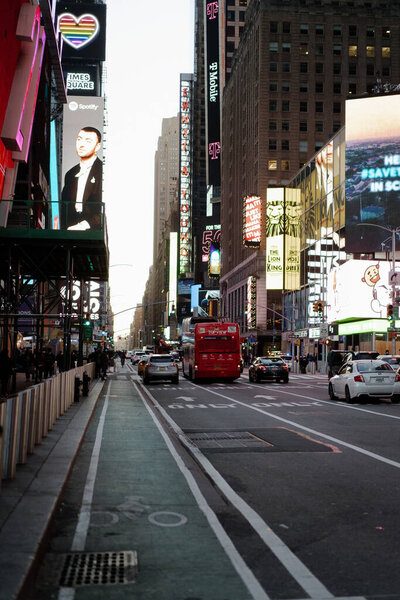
{"x":141,"y":364}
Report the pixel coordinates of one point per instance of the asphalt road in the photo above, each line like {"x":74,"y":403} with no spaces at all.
{"x":306,"y":488}
{"x":315,"y":483}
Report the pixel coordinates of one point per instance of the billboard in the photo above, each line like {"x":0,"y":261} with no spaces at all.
{"x":173,"y":265}
{"x":213,"y":94}
{"x":283,"y":239}
{"x":372,"y":172}
{"x":185,"y":174}
{"x":82,"y":80}
{"x":214,"y":264}
{"x":368,"y":281}
{"x":82,"y":166}
{"x":83,"y":30}
{"x":251,"y":302}
{"x":212,"y":233}
{"x":252,"y":221}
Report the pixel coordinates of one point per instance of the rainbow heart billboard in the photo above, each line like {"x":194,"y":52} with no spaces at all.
{"x":78,"y":31}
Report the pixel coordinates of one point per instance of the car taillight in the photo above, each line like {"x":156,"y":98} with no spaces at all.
{"x":261,"y":368}
{"x":358,"y":378}
{"x":196,"y":366}
{"x":397,"y":378}
{"x":285,"y":367}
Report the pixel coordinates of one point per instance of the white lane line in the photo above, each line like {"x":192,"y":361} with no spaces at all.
{"x":310,"y":584}
{"x":330,"y":402}
{"x":237,"y":561}
{"x":78,"y":543}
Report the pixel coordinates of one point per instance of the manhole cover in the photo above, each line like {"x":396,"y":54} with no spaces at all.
{"x":99,"y":568}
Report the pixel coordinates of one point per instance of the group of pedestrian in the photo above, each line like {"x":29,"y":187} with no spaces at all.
{"x":103,"y":359}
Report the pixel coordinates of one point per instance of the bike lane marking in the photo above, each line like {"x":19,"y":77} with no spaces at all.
{"x":300,"y":573}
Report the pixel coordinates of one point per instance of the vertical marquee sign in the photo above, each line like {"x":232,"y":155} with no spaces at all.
{"x":251,"y":302}
{"x":185,"y":174}
{"x":212,"y":78}
{"x":251,"y":221}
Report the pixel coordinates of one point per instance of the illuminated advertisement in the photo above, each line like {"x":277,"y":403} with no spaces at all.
{"x":173,"y":265}
{"x":81,"y":81}
{"x":83,"y":30}
{"x":251,"y":221}
{"x":368,"y":281}
{"x":282,"y":239}
{"x":251,"y":302}
{"x":185,"y":175}
{"x":214,"y":265}
{"x":82,"y":166}
{"x":211,"y":234}
{"x":372,"y":172}
{"x":212,"y":78}
{"x":324,"y":167}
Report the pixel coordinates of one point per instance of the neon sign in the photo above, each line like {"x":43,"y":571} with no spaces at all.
{"x":251,"y":221}
{"x":185,"y":176}
{"x":78,"y":32}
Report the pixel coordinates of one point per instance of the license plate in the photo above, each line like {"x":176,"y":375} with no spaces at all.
{"x":162,"y":368}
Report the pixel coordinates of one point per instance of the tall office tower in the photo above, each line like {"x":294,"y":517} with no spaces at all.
{"x":166,"y":168}
{"x":235,"y":11}
{"x":295,"y":65}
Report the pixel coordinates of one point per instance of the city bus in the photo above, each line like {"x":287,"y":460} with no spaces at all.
{"x":211,"y":350}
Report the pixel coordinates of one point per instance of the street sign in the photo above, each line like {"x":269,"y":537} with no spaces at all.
{"x":324,"y":330}
{"x":251,"y":339}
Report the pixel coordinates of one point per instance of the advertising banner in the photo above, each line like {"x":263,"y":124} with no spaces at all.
{"x":185,"y":174}
{"x":252,"y":221}
{"x":82,"y":166}
{"x":212,"y":78}
{"x":83,"y":29}
{"x":372,"y":172}
{"x":359,"y":289}
{"x":82,"y":80}
{"x":251,"y":302}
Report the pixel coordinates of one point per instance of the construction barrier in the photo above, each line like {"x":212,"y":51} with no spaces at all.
{"x":27,"y":417}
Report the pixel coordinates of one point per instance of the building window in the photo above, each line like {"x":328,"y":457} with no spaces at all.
{"x":319,"y":107}
{"x":303,"y":106}
{"x":337,"y":107}
{"x":285,"y":145}
{"x":303,"y":126}
{"x":319,"y":30}
{"x":371,"y":69}
{"x":303,"y":146}
{"x":386,"y":71}
{"x":352,"y":69}
{"x":319,"y":50}
{"x":304,"y":28}
{"x":286,"y":27}
{"x":370,"y":32}
{"x":285,"y":67}
{"x":273,"y":46}
{"x":319,"y":68}
{"x":285,"y":165}
{"x":273,"y":86}
{"x":285,"y":106}
{"x":337,"y":30}
{"x":273,"y":125}
{"x":319,"y":126}
{"x":370,"y":51}
{"x":285,"y":125}
{"x":272,"y":165}
{"x":337,"y":87}
{"x":385,"y":52}
{"x":337,"y":68}
{"x":230,"y":31}
{"x":273,"y":26}
{"x":386,"y":32}
{"x":336,"y":126}
{"x":285,"y":87}
{"x":303,"y":67}
{"x":318,"y":146}
{"x":285,"y":47}
{"x":273,"y":105}
{"x":303,"y":87}
{"x":352,"y":50}
{"x":273,"y":67}
{"x":337,"y":49}
{"x":319,"y":87}
{"x":352,"y":88}
{"x":304,"y":49}
{"x":272,"y":145}
{"x":352,"y":30}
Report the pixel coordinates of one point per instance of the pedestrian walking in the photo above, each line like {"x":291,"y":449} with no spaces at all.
{"x":49,"y":360}
{"x":104,"y":364}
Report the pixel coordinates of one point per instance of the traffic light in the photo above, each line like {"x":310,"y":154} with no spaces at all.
{"x":87,"y":329}
{"x":315,"y":306}
{"x":320,"y":307}
{"x":389,"y":312}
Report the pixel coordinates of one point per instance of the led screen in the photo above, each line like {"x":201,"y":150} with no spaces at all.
{"x":252,"y":221}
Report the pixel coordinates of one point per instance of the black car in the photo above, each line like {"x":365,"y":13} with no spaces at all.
{"x":268,"y":368}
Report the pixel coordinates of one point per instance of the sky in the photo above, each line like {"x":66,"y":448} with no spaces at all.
{"x":148,"y":46}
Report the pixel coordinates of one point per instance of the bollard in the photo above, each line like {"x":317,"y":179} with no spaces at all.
{"x":85,"y":384}
{"x":77,"y":384}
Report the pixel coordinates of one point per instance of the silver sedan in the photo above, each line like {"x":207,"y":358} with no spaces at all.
{"x":359,"y":380}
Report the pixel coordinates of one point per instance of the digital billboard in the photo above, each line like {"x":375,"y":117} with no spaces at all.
{"x":368,"y":281}
{"x":214,"y":264}
{"x":372,"y":172}
{"x":173,"y":266}
{"x":185,"y":174}
{"x":211,"y":234}
{"x":213,"y":93}
{"x":82,"y":80}
{"x":82,"y":166}
{"x":283,"y":239}
{"x":252,"y":221}
{"x":83,"y":30}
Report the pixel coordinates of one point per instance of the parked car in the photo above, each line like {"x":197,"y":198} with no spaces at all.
{"x":161,"y":366}
{"x":392,"y":359}
{"x":141,"y":364}
{"x":365,"y":379}
{"x":268,"y":368}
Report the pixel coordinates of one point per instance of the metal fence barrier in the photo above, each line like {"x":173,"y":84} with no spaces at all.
{"x":25,"y":419}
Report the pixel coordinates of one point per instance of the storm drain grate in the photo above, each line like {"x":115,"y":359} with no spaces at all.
{"x":227,"y":439}
{"x":99,"y":568}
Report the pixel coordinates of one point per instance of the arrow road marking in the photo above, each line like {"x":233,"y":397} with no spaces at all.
{"x":186,"y":398}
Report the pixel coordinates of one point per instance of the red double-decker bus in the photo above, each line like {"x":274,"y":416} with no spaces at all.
{"x":211,"y":351}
